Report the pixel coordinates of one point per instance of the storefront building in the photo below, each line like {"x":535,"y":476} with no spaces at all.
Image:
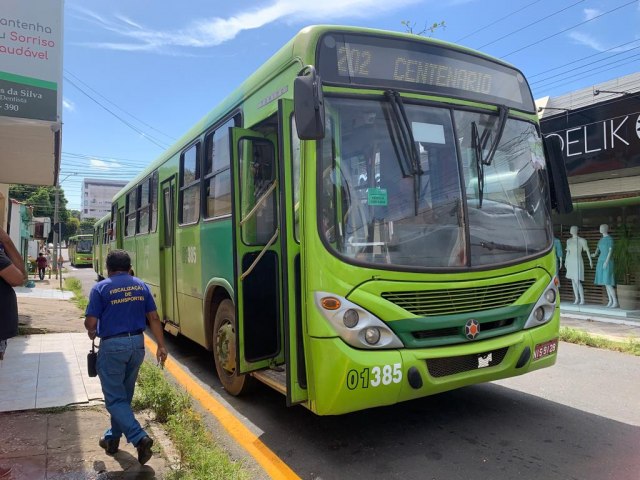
{"x":598,"y":129}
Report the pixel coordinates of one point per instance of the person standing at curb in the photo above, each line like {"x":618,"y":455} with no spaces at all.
{"x":12,"y":274}
{"x":116,"y":313}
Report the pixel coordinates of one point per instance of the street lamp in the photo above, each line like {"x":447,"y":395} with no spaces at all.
{"x":57,"y":240}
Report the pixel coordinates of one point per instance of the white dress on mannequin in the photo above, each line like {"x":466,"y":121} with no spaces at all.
{"x":574,"y":263}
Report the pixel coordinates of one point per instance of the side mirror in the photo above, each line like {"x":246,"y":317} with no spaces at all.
{"x":557,"y":173}
{"x":308,"y":105}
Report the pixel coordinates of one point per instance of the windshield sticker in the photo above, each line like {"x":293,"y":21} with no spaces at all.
{"x":377,"y":197}
{"x":428,"y":132}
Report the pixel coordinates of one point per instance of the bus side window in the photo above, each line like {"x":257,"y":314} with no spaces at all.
{"x":217,"y":161}
{"x":258,"y":171}
{"x":189,"y":209}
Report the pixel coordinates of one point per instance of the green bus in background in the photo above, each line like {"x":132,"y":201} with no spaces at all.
{"x":80,"y":250}
{"x":365,"y":220}
{"x":101,"y":241}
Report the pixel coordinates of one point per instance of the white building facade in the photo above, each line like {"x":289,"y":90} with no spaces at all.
{"x":97,"y":195}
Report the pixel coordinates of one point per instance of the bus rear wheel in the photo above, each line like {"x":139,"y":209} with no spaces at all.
{"x":224,"y":350}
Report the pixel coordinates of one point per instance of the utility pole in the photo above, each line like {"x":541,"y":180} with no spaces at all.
{"x":55,"y":236}
{"x":57,"y":240}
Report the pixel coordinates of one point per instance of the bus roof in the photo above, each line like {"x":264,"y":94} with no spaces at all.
{"x":301,"y":49}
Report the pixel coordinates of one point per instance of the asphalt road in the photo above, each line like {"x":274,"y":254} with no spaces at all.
{"x":577,"y":420}
{"x":86,"y":275}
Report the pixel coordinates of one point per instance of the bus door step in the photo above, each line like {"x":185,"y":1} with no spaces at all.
{"x":172,"y":328}
{"x":273,"y":378}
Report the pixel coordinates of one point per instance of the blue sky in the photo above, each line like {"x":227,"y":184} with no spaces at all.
{"x":138,"y":74}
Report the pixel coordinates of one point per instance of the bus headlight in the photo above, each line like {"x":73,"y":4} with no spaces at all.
{"x":351,"y":318}
{"x":355,"y":325}
{"x":550,"y":295}
{"x":544,"y":308}
{"x":372,"y":335}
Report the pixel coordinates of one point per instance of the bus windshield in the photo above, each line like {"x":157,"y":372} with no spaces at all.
{"x":431,"y":187}
{"x":84,"y":246}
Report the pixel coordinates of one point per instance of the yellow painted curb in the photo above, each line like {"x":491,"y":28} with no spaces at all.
{"x":274,"y":466}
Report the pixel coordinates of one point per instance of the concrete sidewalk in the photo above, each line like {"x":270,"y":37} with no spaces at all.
{"x":41,"y":371}
{"x":51,"y":412}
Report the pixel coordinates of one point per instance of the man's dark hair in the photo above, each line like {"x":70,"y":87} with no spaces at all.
{"x":118,"y":261}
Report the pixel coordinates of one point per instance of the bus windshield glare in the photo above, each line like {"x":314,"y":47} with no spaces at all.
{"x":426,"y":196}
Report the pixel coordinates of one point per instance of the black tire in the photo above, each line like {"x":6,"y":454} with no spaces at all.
{"x":224,"y":350}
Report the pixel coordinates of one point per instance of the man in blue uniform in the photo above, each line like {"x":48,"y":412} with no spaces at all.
{"x":117,"y":310}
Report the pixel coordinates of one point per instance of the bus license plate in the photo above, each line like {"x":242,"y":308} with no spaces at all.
{"x":544,"y":349}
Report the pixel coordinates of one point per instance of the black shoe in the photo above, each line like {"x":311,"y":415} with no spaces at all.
{"x":144,"y":450}
{"x":110,"y":445}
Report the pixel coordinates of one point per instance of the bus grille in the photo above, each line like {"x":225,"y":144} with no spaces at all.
{"x":441,"y":367}
{"x":459,"y":300}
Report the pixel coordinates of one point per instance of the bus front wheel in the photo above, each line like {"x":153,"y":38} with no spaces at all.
{"x":224,"y":350}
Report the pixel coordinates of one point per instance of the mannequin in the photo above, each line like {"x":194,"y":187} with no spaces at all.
{"x":557,"y":246}
{"x":605,"y":266}
{"x":575,"y":264}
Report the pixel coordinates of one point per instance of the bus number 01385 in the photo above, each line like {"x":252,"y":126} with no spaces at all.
{"x":384,"y":375}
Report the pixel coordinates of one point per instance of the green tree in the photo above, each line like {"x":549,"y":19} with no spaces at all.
{"x":72,"y":226}
{"x":86,"y":225}
{"x":43,"y":199}
{"x":427,"y":30}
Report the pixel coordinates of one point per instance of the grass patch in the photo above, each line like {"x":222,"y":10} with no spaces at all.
{"x":74,"y":285}
{"x":24,"y":330}
{"x":200,"y":457}
{"x":580,"y":337}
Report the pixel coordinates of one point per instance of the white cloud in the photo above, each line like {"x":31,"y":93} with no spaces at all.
{"x":217,"y":30}
{"x":591,"y":13}
{"x":104,"y":166}
{"x":587,"y":40}
{"x":592,"y":42}
{"x":68,"y":105}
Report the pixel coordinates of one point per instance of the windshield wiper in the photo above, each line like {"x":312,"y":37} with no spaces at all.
{"x":409,"y":151}
{"x":500,"y":246}
{"x":476,"y":145}
{"x":479,"y":143}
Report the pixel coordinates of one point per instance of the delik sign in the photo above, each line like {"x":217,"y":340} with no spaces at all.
{"x":31,"y":59}
{"x":598,"y":138}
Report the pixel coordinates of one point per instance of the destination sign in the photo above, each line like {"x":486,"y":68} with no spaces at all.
{"x":417,"y":65}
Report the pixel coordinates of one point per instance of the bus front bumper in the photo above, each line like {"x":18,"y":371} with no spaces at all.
{"x":348,"y":379}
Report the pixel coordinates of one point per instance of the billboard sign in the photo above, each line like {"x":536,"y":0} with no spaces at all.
{"x":598,"y":138}
{"x":31,"y":59}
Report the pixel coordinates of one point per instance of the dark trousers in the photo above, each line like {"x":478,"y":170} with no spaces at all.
{"x":41,"y":272}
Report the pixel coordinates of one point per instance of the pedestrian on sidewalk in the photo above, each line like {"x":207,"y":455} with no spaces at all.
{"x":41,"y":262}
{"x":12,"y":274}
{"x":117,"y":310}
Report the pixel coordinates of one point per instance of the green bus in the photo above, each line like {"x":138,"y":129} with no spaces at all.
{"x":81,"y":250}
{"x":365,"y":220}
{"x":101,"y":243}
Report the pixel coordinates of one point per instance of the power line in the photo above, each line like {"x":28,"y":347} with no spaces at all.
{"x":153,"y":140}
{"x":570,"y":28}
{"x":598,"y":70}
{"x":497,"y":21}
{"x":583,"y":58}
{"x":100,"y":157}
{"x":530,"y":24}
{"x":118,"y":107}
{"x":543,"y":80}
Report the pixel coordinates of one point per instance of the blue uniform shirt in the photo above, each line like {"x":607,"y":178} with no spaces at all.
{"x":120,"y":303}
